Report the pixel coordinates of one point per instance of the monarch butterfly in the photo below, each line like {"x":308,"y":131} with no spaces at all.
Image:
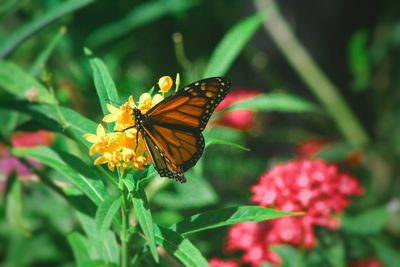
{"x":172,"y":129}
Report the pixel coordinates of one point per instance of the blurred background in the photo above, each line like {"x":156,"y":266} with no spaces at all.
{"x":350,"y":76}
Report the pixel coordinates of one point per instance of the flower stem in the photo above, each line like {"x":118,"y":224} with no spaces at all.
{"x":318,"y":83}
{"x":125,"y":222}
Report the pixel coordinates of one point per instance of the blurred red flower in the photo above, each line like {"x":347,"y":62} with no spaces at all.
{"x":10,"y":164}
{"x":29,"y":139}
{"x":238,"y":119}
{"x":311,"y":186}
{"x":215,"y":262}
{"x":365,"y":263}
{"x":309,"y":148}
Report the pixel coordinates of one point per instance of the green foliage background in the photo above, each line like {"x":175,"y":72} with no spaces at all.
{"x":340,"y":84}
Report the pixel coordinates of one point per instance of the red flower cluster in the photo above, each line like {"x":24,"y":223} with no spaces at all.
{"x":365,"y":263}
{"x":311,"y":186}
{"x":10,"y":164}
{"x":214,"y":262}
{"x":238,"y":119}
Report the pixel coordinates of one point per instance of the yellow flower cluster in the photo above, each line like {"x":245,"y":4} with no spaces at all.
{"x":124,"y":147}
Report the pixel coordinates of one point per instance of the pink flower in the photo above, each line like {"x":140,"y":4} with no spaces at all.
{"x":214,"y":262}
{"x":238,"y":119}
{"x":29,"y":139}
{"x":10,"y":164}
{"x":365,"y":263}
{"x":311,"y":186}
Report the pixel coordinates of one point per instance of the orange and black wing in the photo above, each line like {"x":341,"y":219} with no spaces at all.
{"x":173,"y":131}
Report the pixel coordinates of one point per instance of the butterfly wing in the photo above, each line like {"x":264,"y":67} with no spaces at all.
{"x":174,"y":126}
{"x":191,"y":107}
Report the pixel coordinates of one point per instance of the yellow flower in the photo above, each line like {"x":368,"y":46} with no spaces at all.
{"x":144,"y":102}
{"x":102,"y":141}
{"x":125,"y":147}
{"x":122,"y":116}
{"x":157,"y":98}
{"x":165,"y":83}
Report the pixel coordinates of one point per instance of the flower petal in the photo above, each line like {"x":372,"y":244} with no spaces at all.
{"x":100,"y":131}
{"x":92,"y":138}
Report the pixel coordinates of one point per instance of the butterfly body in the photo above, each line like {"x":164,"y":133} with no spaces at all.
{"x":172,"y":129}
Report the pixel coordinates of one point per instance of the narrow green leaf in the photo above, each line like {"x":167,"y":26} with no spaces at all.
{"x":17,"y":82}
{"x":367,"y":223}
{"x":9,"y":122}
{"x":80,"y":247}
{"x":94,"y":189}
{"x":386,"y":254}
{"x":279,"y":102}
{"x":228,"y":49}
{"x":97,"y":263}
{"x":105,"y":86}
{"x":227,"y":216}
{"x":141,"y":15}
{"x":197,"y":193}
{"x":143,"y":215}
{"x":106,"y":247}
{"x":358,"y":60}
{"x":215,"y":141}
{"x":7,"y":45}
{"x":45,"y":54}
{"x":105,"y":214}
{"x":290,"y":256}
{"x":14,"y":206}
{"x":63,"y":120}
{"x":335,"y":254}
{"x":180,"y":247}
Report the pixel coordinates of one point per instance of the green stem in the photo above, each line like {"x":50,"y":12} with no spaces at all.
{"x":125,"y":222}
{"x":311,"y":74}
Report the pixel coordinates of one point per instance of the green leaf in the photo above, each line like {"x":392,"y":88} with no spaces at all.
{"x":80,"y":247}
{"x":45,"y":54}
{"x":141,"y":15}
{"x":335,"y":152}
{"x":105,"y":214}
{"x":61,"y":119}
{"x":290,"y":256}
{"x":143,"y":215}
{"x":94,"y":189}
{"x":197,"y":192}
{"x":215,"y":141}
{"x":367,"y":223}
{"x":180,"y":247}
{"x":97,"y":263}
{"x":335,"y":254}
{"x":279,"y":102}
{"x":386,"y":254}
{"x":231,"y":44}
{"x":358,"y":60}
{"x":7,"y":45}
{"x":9,"y":122}
{"x":225,"y":217}
{"x":17,"y":82}
{"x":106,"y":247}
{"x":14,"y":206}
{"x":105,"y":86}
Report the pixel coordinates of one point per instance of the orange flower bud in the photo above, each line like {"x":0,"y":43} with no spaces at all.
{"x":165,"y":83}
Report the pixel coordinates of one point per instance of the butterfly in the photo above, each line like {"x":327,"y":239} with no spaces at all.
{"x":172,"y":129}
